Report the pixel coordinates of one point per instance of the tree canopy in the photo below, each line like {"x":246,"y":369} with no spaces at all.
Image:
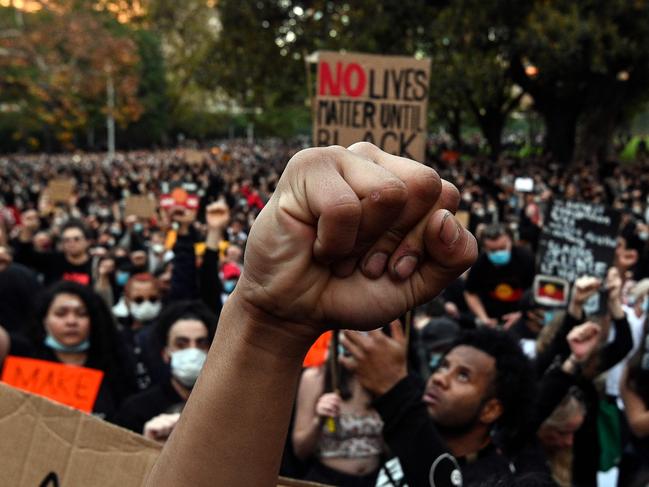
{"x":183,"y":66}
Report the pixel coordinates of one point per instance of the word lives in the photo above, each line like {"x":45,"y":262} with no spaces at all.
{"x":378,"y":99}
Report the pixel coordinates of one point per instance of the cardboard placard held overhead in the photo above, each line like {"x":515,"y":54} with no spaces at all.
{"x":193,"y":156}
{"x":44,"y":444}
{"x":140,"y":206}
{"x":60,"y":190}
{"x":379,"y":99}
{"x":73,"y":386}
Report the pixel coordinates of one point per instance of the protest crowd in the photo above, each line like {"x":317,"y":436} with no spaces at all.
{"x":510,"y":376}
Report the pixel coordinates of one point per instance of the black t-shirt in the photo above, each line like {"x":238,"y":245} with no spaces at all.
{"x":143,"y":406}
{"x":501,"y":288}
{"x":53,"y":265}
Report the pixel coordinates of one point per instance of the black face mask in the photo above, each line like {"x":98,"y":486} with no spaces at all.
{"x":138,"y":269}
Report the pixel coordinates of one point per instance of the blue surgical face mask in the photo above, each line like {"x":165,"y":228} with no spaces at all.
{"x":500,"y":257}
{"x":548,"y":316}
{"x":435,"y":359}
{"x":121,"y":278}
{"x":228,"y":286}
{"x":645,"y":304}
{"x":57,"y":346}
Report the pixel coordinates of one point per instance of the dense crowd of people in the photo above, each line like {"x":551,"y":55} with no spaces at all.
{"x":491,"y":384}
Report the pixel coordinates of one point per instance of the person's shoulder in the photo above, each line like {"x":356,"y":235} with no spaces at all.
{"x":523,"y":253}
{"x":19,"y":269}
{"x":479,"y":265}
{"x":313,"y":374}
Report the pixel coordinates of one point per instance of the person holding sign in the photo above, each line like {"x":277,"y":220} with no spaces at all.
{"x":336,"y":427}
{"x":351,"y":237}
{"x":73,"y":327}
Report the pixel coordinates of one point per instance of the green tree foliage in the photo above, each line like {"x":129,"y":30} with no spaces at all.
{"x":469,"y":51}
{"x":154,"y":123}
{"x":55,"y":66}
{"x":593,"y":68}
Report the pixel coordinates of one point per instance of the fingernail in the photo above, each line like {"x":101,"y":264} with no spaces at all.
{"x":405,"y":266}
{"x":375,"y":265}
{"x":450,"y":230}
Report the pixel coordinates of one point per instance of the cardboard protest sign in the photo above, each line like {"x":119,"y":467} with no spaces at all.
{"x":60,"y":190}
{"x":578,"y":239}
{"x":379,"y":99}
{"x":44,"y":444}
{"x":463,"y":217}
{"x":74,"y":386}
{"x":193,"y":156}
{"x":140,"y":206}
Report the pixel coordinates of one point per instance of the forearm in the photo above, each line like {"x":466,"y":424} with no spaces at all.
{"x":234,"y":425}
{"x":575,"y":309}
{"x":105,"y":291}
{"x":621,"y":345}
{"x":636,"y":412}
{"x":306,"y":439}
{"x":213,"y":238}
{"x":475,"y":305}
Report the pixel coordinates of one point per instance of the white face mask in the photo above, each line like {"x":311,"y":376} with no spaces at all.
{"x":186,"y":364}
{"x":144,"y":311}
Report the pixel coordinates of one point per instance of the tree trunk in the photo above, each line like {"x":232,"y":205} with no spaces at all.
{"x":492,"y":125}
{"x":455,"y":129}
{"x":560,"y":131}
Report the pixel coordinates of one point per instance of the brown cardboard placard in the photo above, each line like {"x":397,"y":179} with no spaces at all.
{"x":193,"y":156}
{"x":140,"y":206}
{"x":60,"y":190}
{"x":43,"y":443}
{"x":379,"y":99}
{"x":463,"y":217}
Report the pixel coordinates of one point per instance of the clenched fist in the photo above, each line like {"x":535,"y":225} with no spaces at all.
{"x":353,"y":238}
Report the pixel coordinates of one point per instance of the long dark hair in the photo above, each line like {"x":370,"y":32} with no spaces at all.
{"x":106,"y":351}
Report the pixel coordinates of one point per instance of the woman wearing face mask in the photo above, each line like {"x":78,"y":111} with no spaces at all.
{"x":73,"y":326}
{"x":182,"y":334}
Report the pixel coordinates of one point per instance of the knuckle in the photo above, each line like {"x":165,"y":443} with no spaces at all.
{"x":364,"y":148}
{"x":450,"y":194}
{"x":425,"y":183}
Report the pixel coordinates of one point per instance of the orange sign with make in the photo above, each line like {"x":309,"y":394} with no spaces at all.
{"x":73,"y":386}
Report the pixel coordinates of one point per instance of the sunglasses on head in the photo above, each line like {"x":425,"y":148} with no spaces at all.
{"x":140,"y":300}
